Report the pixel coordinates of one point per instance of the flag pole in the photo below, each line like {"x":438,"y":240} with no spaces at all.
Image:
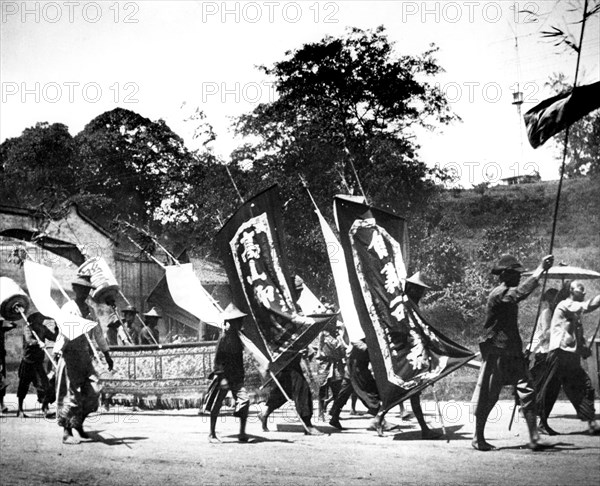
{"x":350,"y":159}
{"x":154,"y":239}
{"x":234,"y":185}
{"x":514,"y":412}
{"x":116,"y":311}
{"x":145,"y":251}
{"x":562,"y":173}
{"x":139,"y":319}
{"x":439,"y":411}
{"x":289,"y":400}
{"x":94,"y":350}
{"x":305,"y":185}
{"x":21,"y":311}
{"x":594,"y":335}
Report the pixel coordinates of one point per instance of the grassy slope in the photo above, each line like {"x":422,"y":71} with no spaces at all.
{"x":467,"y":215}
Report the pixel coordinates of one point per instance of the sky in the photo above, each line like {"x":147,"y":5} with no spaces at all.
{"x":68,"y":62}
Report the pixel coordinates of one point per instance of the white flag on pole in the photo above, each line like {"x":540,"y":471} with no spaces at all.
{"x":342,"y":282}
{"x":309,"y":303}
{"x":39,"y":285}
{"x":189,"y":294}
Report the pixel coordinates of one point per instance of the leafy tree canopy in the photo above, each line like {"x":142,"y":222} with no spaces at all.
{"x":37,"y":168}
{"x":342,"y":103}
{"x":128,"y":164}
{"x":121,"y":165}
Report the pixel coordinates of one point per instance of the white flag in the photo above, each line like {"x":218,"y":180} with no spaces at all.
{"x":189,"y":294}
{"x":309,"y":303}
{"x":342,"y":282}
{"x":39,"y":285}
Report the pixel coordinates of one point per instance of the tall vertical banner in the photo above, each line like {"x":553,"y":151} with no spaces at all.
{"x":407,"y":354}
{"x":251,"y":244}
{"x":342,"y":284}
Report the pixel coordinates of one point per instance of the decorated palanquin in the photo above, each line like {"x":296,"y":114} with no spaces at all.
{"x":176,"y":373}
{"x":165,"y":376}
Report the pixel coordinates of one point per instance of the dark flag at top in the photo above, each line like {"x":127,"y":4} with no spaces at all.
{"x":551,"y":116}
{"x":406,"y":353}
{"x":251,"y":244}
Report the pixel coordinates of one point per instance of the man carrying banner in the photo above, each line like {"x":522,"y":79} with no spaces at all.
{"x":150,"y":333}
{"x":330,"y":358}
{"x":502,"y":350}
{"x":228,"y":374}
{"x":77,"y":382}
{"x":295,"y":385}
{"x":251,"y":244}
{"x":407,"y":354}
{"x":415,"y":290}
{"x":31,"y":369}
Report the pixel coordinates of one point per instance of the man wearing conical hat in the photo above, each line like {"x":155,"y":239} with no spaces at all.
{"x":150,"y":333}
{"x":415,"y":290}
{"x":133,"y":327}
{"x":77,"y":380}
{"x":502,"y":351}
{"x":228,"y":374}
{"x":31,"y":369}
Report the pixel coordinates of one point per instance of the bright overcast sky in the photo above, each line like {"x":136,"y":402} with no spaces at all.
{"x":69,"y":62}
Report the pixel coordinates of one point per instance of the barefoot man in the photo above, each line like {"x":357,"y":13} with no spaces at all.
{"x":228,"y":375}
{"x":502,"y":351}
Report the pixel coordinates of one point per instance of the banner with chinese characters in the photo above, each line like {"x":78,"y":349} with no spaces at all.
{"x":251,"y":244}
{"x":407,"y":354}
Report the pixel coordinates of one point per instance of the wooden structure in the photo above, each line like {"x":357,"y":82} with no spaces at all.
{"x":61,"y":243}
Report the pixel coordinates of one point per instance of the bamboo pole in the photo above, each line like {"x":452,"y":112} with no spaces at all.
{"x":289,"y":400}
{"x":562,"y":174}
{"x":21,"y":311}
{"x":439,"y":411}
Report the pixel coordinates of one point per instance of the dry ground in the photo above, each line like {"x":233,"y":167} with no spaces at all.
{"x":171,"y":447}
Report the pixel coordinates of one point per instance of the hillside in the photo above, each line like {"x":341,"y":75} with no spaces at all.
{"x":508,"y":219}
{"x":578,"y":220}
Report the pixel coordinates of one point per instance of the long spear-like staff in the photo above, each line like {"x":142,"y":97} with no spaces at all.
{"x":559,"y":189}
{"x":562,"y":169}
{"x":153,"y":238}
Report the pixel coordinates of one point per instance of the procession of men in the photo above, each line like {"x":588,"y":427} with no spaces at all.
{"x":343,"y":367}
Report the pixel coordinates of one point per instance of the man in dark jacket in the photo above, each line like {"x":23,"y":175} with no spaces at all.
{"x":5,"y":327}
{"x":228,"y":374}
{"x":150,"y":334}
{"x":502,"y":351}
{"x":31,"y":369}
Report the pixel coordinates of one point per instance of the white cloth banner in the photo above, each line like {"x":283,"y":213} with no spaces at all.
{"x":342,"y":281}
{"x":309,"y":303}
{"x":261,"y":361}
{"x":39,"y":285}
{"x":187,"y":292}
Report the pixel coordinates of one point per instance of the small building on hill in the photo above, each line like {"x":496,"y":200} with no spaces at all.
{"x":521,"y":179}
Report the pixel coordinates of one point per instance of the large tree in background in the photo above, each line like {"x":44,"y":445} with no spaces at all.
{"x":37,"y":168}
{"x":339,"y":101}
{"x":129,"y":165}
{"x":122,"y":165}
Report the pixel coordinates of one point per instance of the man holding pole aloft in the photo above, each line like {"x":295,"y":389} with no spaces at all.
{"x":31,"y":369}
{"x":77,"y":385}
{"x":502,"y":351}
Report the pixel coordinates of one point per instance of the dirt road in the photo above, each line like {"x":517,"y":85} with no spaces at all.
{"x":171,"y":447}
